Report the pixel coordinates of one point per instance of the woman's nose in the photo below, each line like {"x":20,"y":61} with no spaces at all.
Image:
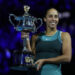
{"x":53,"y":18}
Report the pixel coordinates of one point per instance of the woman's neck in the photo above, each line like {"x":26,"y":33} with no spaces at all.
{"x":50,"y":32}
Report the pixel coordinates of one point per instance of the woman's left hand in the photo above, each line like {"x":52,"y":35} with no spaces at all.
{"x":39,"y":63}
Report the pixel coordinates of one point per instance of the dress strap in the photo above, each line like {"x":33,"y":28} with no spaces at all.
{"x":59,"y":35}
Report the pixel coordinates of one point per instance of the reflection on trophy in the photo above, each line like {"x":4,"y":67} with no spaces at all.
{"x":26,"y":23}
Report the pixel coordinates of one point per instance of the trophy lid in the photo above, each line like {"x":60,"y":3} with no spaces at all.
{"x":26,"y":9}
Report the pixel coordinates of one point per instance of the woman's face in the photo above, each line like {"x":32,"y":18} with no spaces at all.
{"x":51,"y":18}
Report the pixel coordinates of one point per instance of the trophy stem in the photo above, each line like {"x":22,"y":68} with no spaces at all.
{"x":24,"y":44}
{"x":24,"y":49}
{"x":21,"y":59}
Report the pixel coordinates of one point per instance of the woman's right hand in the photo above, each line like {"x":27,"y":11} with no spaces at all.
{"x":24,"y":34}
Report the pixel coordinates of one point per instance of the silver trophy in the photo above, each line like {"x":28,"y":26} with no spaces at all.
{"x":26,"y":23}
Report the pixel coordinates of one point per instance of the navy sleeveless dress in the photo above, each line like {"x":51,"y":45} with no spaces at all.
{"x":49,"y":47}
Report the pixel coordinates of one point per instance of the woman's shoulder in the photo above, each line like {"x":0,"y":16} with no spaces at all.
{"x":65,"y":35}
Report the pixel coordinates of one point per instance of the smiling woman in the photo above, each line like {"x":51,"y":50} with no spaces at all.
{"x":52,"y":47}
{"x":51,"y":18}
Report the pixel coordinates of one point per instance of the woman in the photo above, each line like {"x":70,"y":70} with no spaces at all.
{"x":52,"y":47}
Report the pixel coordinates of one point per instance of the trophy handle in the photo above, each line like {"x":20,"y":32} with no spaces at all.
{"x":40,"y":23}
{"x":11,"y":20}
{"x":16,"y":18}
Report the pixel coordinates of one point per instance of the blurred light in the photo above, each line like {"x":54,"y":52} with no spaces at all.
{"x":18,"y":35}
{"x":68,"y":6}
{"x":7,"y":53}
{"x":64,"y":15}
{"x":60,"y":15}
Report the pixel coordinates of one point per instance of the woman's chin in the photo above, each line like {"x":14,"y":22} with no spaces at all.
{"x":52,"y":27}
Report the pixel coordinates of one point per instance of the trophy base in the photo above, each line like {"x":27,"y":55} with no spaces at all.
{"x":22,"y":68}
{"x":23,"y":59}
{"x":19,"y":68}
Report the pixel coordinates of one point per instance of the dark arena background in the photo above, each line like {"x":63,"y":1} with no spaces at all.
{"x":10,"y":39}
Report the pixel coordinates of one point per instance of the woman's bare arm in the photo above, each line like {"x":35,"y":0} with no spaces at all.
{"x":33,"y":40}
